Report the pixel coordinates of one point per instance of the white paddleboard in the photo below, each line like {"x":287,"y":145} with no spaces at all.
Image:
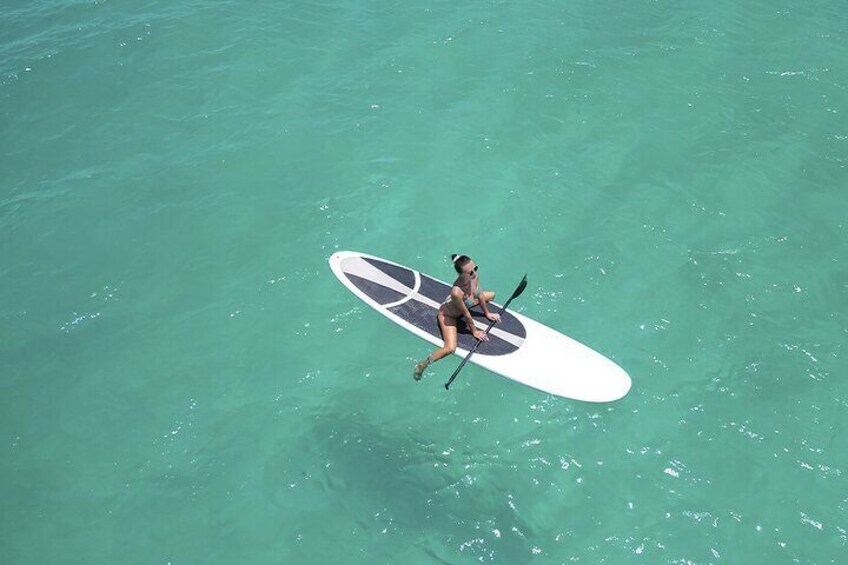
{"x":519,"y":348}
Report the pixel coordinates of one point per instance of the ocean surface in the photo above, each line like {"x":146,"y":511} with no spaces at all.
{"x":184,"y":381}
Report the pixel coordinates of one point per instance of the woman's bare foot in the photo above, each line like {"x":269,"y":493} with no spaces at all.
{"x":419,"y":369}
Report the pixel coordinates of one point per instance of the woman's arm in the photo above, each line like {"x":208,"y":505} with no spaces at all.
{"x":469,"y":319}
{"x":482,"y":301}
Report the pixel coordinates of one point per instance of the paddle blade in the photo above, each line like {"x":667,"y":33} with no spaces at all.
{"x":521,"y":286}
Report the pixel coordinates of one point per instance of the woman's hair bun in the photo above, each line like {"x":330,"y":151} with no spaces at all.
{"x":459,"y":261}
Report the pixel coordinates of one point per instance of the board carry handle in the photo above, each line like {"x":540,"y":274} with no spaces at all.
{"x":521,"y":286}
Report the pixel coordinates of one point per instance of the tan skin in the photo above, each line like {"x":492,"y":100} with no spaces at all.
{"x":456,"y":311}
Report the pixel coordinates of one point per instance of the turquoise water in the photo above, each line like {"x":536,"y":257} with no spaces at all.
{"x":184,"y":381}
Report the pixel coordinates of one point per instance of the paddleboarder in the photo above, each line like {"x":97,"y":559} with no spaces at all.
{"x":464,"y":295}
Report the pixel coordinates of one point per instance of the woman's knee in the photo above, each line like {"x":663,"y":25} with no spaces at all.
{"x":488,"y":295}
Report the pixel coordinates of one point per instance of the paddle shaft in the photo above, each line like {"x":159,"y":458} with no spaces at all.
{"x":518,"y":291}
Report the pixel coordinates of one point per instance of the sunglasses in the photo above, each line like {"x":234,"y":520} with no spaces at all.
{"x":474,"y":270}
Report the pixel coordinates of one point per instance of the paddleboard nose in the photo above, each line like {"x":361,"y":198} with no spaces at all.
{"x":622,"y":383}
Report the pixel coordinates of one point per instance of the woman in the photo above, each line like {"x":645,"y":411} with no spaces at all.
{"x":465,"y":294}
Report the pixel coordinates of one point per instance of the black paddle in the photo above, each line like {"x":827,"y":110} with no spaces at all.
{"x":521,"y":286}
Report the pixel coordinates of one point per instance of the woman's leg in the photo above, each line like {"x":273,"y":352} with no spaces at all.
{"x":484,"y":297}
{"x":448,"y":327}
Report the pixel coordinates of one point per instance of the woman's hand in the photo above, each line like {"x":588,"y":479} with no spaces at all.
{"x":492,"y":317}
{"x":481,"y":335}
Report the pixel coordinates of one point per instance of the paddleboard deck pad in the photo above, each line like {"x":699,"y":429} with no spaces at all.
{"x":519,"y":348}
